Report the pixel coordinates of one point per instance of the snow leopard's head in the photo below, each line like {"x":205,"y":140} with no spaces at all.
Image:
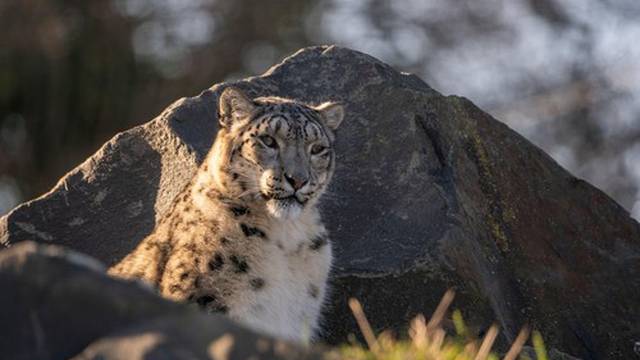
{"x":276,"y":150}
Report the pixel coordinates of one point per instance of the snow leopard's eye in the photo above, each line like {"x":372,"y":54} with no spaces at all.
{"x":318,"y":149}
{"x":268,"y":141}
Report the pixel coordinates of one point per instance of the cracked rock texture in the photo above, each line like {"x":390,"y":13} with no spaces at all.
{"x":430,"y":193}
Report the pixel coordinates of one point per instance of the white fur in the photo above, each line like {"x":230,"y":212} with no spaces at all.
{"x":285,"y":308}
{"x":283,"y":211}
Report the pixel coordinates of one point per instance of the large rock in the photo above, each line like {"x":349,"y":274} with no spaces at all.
{"x":429,"y":193}
{"x":56,"y":304}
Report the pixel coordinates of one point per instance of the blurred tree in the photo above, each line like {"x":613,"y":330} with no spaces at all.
{"x":68,"y":75}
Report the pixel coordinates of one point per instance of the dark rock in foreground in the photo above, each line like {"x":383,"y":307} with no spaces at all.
{"x":430,"y":193}
{"x":56,"y":304}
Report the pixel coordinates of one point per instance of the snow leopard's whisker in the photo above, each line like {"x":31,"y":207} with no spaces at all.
{"x":248,"y":192}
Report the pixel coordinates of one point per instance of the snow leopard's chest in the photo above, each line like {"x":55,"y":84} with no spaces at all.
{"x":294,"y":267}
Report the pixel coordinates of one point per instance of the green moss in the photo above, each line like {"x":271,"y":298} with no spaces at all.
{"x":499,"y":214}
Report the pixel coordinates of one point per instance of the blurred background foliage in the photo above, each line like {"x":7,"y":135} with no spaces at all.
{"x":564,"y":73}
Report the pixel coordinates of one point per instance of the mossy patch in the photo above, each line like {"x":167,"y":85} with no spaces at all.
{"x":499,"y":214}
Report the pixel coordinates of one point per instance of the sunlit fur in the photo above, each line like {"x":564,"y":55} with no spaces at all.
{"x":239,"y":239}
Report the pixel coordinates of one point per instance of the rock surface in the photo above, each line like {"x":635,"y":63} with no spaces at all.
{"x":430,"y":193}
{"x":57,"y":304}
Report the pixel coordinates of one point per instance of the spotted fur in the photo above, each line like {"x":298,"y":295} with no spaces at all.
{"x":245,"y":237}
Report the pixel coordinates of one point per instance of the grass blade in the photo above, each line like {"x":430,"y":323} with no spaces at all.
{"x":364,"y":325}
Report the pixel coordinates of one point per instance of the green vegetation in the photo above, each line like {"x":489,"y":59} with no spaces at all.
{"x":428,"y":340}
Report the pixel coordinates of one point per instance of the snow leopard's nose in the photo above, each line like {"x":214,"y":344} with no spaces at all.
{"x":297,"y":181}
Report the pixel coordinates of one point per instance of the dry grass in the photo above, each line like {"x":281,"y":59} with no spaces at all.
{"x":428,"y":340}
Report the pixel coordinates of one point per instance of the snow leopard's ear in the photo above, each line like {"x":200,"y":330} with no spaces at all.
{"x":332,"y":113}
{"x":234,"y":107}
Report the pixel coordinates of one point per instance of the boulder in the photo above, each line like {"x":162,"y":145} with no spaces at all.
{"x":58,"y":304}
{"x":429,"y":193}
